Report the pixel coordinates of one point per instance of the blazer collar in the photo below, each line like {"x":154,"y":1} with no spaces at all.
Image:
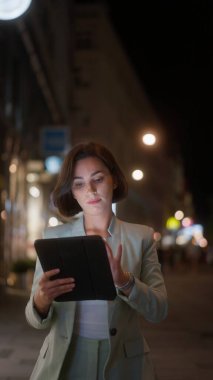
{"x":113,"y":225}
{"x":79,"y":224}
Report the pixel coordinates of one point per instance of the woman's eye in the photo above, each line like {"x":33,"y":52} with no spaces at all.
{"x":77,"y":185}
{"x":99,"y":180}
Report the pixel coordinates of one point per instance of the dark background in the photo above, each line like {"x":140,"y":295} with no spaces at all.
{"x":170,"y":44}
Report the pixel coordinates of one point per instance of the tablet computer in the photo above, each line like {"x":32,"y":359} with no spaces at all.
{"x":85,"y":259}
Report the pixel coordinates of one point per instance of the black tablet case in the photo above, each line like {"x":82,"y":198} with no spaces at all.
{"x":83,"y":258}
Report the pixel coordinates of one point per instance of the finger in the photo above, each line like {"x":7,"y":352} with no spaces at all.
{"x":108,"y":249}
{"x":51,"y":273}
{"x":53,"y":284}
{"x":61,"y":282}
{"x":49,"y":283}
{"x":54,"y":292}
{"x":46,"y":276}
{"x":62,"y":288}
{"x":58,"y":286}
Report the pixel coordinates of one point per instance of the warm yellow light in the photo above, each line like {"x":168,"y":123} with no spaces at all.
{"x":3,"y":215}
{"x":179,"y":215}
{"x":149,"y":139}
{"x":157,"y":236}
{"x":203,"y":243}
{"x":53,"y":221}
{"x":182,"y":239}
{"x":32,"y":177}
{"x":12,"y":168}
{"x":137,"y":175}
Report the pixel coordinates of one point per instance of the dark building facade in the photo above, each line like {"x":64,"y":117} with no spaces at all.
{"x":64,"y":73}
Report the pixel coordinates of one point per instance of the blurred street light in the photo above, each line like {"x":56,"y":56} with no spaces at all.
{"x":53,"y":164}
{"x":53,"y":221}
{"x":172,"y":223}
{"x":137,"y":174}
{"x":186,"y":222}
{"x":179,"y":215}
{"x":11,"y":9}
{"x":34,"y":191}
{"x":13,"y":168}
{"x":32,"y":177}
{"x":149,"y":139}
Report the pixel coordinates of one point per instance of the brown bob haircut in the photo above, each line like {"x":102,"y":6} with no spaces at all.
{"x":62,"y":195}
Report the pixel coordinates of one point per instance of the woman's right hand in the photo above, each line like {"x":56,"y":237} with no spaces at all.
{"x":49,"y":289}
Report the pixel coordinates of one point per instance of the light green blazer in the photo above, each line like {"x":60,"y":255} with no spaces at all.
{"x":129,"y":352}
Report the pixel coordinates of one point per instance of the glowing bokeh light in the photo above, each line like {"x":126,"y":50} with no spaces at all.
{"x":172,"y":223}
{"x":32,"y":177}
{"x":13,"y":168}
{"x":53,"y":221}
{"x":182,"y":239}
{"x":157,"y":236}
{"x":53,"y":164}
{"x":3,"y":215}
{"x":11,"y":9}
{"x":149,"y":139}
{"x":137,"y":175}
{"x":186,"y":222}
{"x":34,"y":191}
{"x":179,"y":215}
{"x":203,"y":243}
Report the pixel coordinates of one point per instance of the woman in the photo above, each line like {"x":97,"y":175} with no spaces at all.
{"x":96,"y":340}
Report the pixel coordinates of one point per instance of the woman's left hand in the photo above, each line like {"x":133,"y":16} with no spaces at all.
{"x":120,"y":277}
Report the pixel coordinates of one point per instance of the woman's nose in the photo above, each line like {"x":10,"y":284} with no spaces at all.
{"x":91,"y":188}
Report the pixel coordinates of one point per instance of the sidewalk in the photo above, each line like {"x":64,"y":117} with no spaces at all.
{"x":182,"y":345}
{"x":19,"y":343}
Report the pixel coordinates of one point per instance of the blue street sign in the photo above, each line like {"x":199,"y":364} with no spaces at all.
{"x":54,"y":140}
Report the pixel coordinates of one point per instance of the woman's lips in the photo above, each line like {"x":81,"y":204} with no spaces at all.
{"x":94,"y":201}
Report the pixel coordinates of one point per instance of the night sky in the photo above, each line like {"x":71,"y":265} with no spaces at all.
{"x":170,"y":44}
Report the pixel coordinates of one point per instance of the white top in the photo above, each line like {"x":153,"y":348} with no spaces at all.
{"x":91,"y":319}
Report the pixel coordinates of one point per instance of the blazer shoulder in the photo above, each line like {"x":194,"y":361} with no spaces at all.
{"x":137,"y":229}
{"x":54,"y":231}
{"x":62,"y":229}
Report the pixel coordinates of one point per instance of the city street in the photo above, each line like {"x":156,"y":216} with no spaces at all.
{"x":182,"y":345}
{"x":105,"y":130}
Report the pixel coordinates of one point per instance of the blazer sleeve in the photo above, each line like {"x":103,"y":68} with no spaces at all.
{"x":149,"y":296}
{"x":32,"y":316}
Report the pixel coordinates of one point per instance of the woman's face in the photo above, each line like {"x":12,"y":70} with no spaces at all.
{"x":92,"y":185}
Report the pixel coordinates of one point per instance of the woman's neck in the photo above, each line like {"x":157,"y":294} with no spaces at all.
{"x":97,"y":225}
